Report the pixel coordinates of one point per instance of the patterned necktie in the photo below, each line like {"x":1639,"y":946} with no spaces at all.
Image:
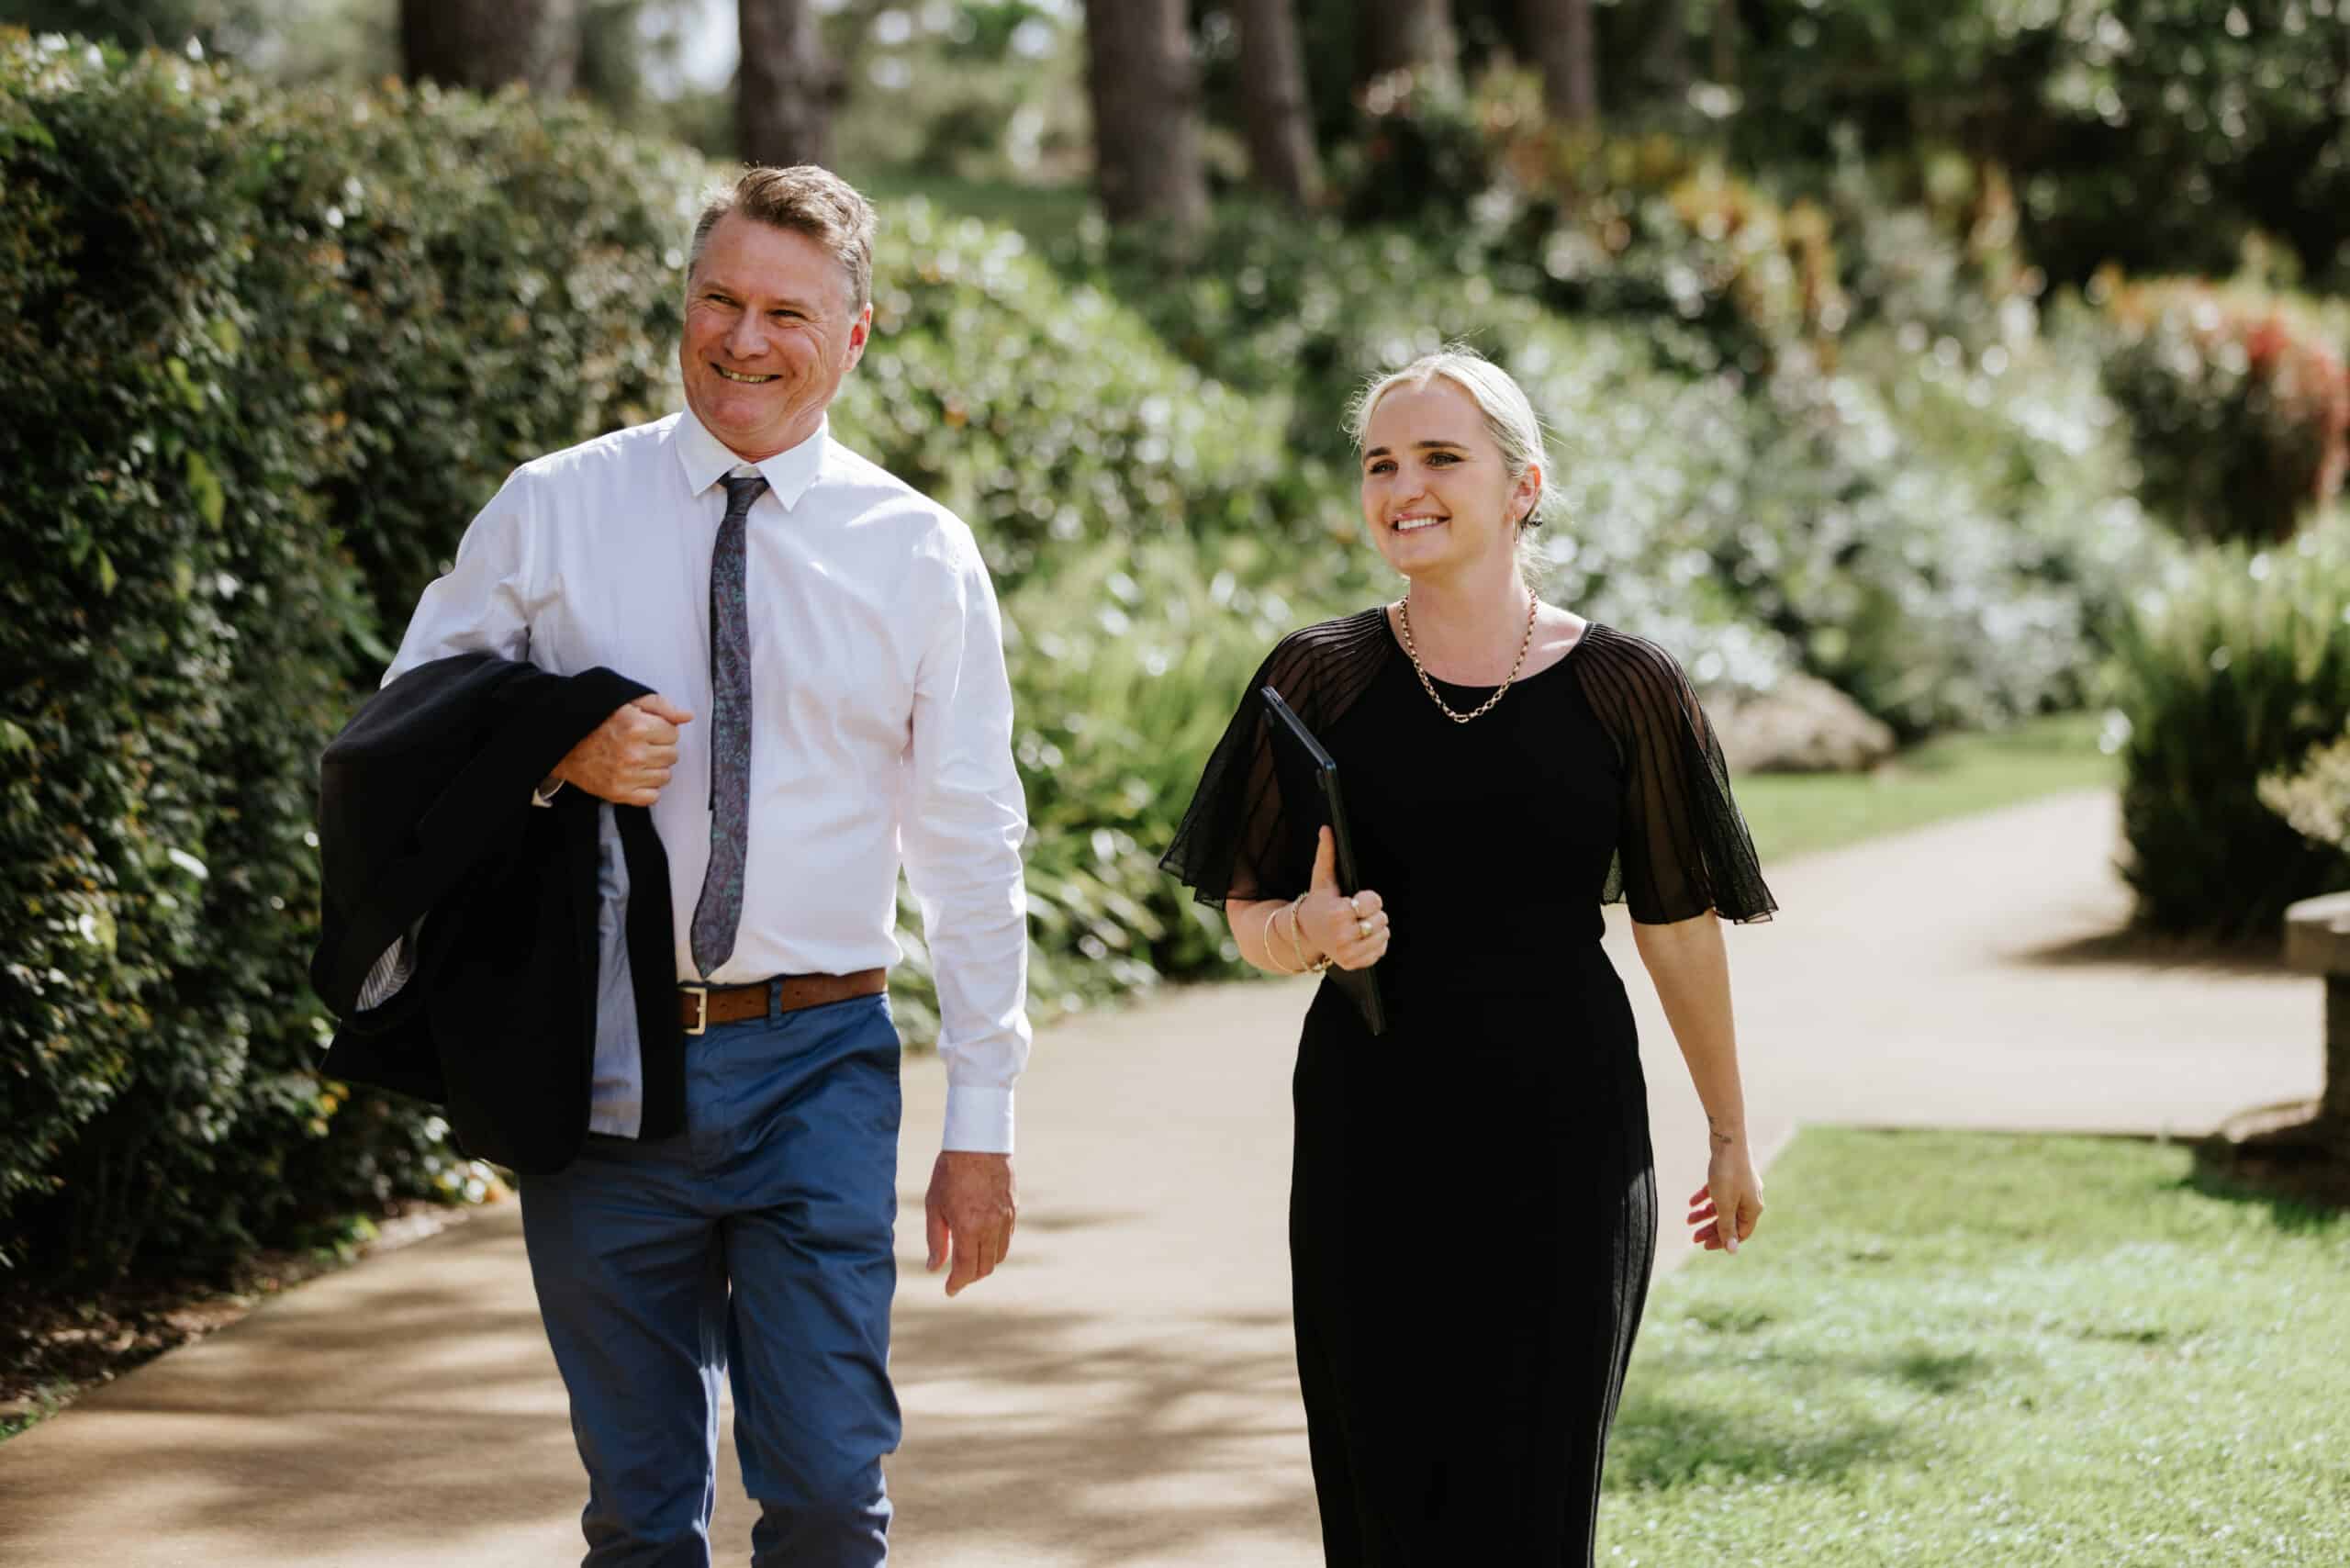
{"x":720,"y":909}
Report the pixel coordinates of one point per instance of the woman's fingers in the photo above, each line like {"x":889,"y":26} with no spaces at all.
{"x":1360,"y":930}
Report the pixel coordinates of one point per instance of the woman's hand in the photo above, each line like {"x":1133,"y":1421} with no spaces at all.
{"x":1725,"y":1211}
{"x":1351,"y":930}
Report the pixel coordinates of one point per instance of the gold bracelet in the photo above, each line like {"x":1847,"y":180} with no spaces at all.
{"x":1266,"y":942}
{"x":1297,"y":943}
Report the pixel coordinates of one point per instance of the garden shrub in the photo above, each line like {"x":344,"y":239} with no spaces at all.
{"x":265,"y":357}
{"x":1047,"y":415}
{"x":2313,"y":794}
{"x":1946,"y":534}
{"x":177,"y":619}
{"x":2240,"y":402}
{"x":2234,"y":672}
{"x":481,"y":281}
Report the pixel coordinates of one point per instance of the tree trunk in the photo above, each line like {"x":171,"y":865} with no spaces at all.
{"x":1664,"y":51}
{"x":1273,"y":102}
{"x":1560,"y":34}
{"x":1146,"y":159}
{"x":785,"y":89}
{"x":1406,"y":35}
{"x":465,"y":43}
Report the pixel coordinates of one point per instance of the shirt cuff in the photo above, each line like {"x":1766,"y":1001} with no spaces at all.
{"x":978,"y":1120}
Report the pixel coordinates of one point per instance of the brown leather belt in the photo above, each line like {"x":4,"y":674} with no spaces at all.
{"x":699,"y":1006}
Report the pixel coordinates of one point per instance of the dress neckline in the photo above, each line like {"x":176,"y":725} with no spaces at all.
{"x":1387,"y":622}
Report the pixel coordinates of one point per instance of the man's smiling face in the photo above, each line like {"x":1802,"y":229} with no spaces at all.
{"x":770,"y":330}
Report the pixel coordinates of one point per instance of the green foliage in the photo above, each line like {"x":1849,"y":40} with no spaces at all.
{"x":1120,"y":440}
{"x":2153,"y":133}
{"x":264,"y":355}
{"x":1944,"y":532}
{"x":2313,"y":796}
{"x":2240,"y":404}
{"x":493,"y":279}
{"x":2236,"y":671}
{"x":175,"y":621}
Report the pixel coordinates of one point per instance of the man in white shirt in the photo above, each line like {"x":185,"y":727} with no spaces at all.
{"x":826,"y":650}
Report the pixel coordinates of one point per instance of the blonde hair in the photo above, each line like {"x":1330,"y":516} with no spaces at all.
{"x":1509,"y":414}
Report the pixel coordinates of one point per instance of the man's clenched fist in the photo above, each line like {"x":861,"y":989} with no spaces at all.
{"x":628,"y":758}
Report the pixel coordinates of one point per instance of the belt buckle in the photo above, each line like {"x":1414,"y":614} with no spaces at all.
{"x":701,"y":1014}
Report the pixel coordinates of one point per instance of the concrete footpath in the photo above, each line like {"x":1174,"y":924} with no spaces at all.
{"x":1123,"y":1393}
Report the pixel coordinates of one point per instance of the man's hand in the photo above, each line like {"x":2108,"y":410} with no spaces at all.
{"x":627,"y":759}
{"x":969,"y":1208}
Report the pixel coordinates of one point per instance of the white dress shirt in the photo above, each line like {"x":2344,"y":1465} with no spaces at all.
{"x":881,"y":720}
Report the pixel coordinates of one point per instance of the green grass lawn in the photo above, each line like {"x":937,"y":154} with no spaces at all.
{"x":1967,"y":1349}
{"x":1949,"y":776}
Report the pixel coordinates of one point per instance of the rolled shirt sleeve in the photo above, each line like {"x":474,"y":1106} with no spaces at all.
{"x":964,"y":820}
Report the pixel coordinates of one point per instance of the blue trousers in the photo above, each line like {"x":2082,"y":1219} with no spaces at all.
{"x":757,"y":1242}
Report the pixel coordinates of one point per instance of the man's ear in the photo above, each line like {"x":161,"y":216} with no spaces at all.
{"x":860,"y":332}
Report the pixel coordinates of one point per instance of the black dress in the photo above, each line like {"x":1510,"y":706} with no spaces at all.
{"x":1472,"y":1204}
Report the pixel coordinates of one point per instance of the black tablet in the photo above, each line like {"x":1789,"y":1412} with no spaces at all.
{"x":1291,"y":734}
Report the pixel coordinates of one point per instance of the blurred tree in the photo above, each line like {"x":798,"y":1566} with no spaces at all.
{"x":1558,"y":33}
{"x":1146,"y":113}
{"x":2157,"y":134}
{"x":461,"y":43}
{"x":1406,"y":35}
{"x":1273,"y":102}
{"x":786,"y":87}
{"x":1722,"y":33}
{"x":612,"y":58}
{"x":1663,"y":48}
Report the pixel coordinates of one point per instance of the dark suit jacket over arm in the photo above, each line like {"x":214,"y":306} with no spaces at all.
{"x":426,"y":826}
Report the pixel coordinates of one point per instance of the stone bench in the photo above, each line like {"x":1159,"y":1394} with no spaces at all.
{"x":2317,"y":942}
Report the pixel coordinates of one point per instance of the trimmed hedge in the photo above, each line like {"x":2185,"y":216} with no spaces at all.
{"x":264,"y":355}
{"x":177,"y":619}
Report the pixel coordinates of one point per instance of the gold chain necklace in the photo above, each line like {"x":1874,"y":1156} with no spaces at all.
{"x":1533,"y":605}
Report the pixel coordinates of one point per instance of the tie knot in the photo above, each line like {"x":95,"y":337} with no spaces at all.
{"x":741,"y":492}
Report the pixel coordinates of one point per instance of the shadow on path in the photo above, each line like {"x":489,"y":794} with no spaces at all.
{"x":1111,"y":1442}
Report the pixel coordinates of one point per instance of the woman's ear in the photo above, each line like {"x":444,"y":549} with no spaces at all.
{"x":1528,"y":496}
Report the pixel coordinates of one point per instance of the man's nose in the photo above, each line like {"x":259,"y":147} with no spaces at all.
{"x":748,"y":337}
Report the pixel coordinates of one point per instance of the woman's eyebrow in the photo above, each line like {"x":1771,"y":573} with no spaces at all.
{"x":1422,"y":446}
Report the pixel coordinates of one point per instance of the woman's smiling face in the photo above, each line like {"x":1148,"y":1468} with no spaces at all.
{"x":1437,"y":489}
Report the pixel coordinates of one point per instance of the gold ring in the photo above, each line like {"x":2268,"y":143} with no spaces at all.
{"x":1362,"y":927}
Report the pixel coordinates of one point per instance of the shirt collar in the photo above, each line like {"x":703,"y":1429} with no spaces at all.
{"x":706,"y":460}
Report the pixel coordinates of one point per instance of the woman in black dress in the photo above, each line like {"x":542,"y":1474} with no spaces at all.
{"x":1472,"y":1204}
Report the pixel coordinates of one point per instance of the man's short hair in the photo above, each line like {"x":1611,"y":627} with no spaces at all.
{"x":807,"y":200}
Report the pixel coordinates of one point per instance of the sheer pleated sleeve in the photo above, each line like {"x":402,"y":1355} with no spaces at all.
{"x":1250,"y":830}
{"x":1682,"y":847}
